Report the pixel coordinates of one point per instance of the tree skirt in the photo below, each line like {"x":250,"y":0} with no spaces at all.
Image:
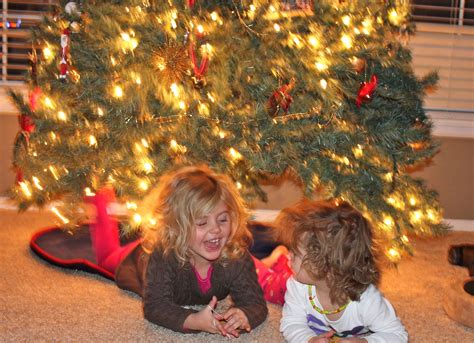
{"x":74,"y":250}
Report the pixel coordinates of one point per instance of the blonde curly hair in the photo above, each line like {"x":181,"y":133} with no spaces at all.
{"x":338,"y":243}
{"x":181,"y":198}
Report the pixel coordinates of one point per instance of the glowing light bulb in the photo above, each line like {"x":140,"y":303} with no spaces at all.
{"x":346,"y":20}
{"x":118,"y":92}
{"x":48,"y":102}
{"x":276,"y":27}
{"x":238,"y":185}
{"x":393,"y":17}
{"x":393,"y":254}
{"x":203,"y":109}
{"x":346,"y":41}
{"x":25,"y":189}
{"x":412,"y":201}
{"x":313,"y":41}
{"x":37,"y":183}
{"x":182,"y":105}
{"x":59,"y":215}
{"x":415,"y":216}
{"x":200,"y":29}
{"x":323,"y":83}
{"x":48,"y":53}
{"x":62,"y":116}
{"x":54,"y":172}
{"x":88,"y":192}
{"x":234,"y":154}
{"x":100,"y":112}
{"x":388,"y":221}
{"x":92,"y":141}
{"x":214,"y":16}
{"x":143,"y":185}
{"x":137,"y":218}
{"x":147,"y":166}
{"x":321,"y":66}
{"x":358,"y":151}
{"x":174,"y":89}
{"x":211,"y":97}
{"x":131,"y":205}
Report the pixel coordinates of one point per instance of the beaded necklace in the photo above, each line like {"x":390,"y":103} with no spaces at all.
{"x":320,"y":310}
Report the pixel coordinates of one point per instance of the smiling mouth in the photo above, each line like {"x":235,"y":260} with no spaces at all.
{"x":212,"y":244}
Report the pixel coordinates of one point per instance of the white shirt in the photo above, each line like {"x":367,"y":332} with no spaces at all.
{"x":372,"y":317}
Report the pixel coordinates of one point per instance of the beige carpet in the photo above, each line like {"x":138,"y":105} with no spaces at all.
{"x":43,"y":303}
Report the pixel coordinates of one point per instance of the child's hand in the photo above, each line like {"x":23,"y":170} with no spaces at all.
{"x":205,"y":320}
{"x":236,"y":320}
{"x":322,"y":338}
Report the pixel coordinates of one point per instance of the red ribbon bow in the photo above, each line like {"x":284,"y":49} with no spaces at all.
{"x":366,"y":91}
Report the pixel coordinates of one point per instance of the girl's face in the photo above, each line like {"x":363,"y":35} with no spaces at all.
{"x":210,"y":235}
{"x":300,"y":273}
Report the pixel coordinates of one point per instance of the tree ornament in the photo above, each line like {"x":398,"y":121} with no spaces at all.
{"x":281,"y":99}
{"x":27,"y":126}
{"x":75,"y":26}
{"x":358,"y":64}
{"x":171,"y":63}
{"x":366,"y":91}
{"x":63,"y":65}
{"x":72,"y":8}
{"x":199,"y":70}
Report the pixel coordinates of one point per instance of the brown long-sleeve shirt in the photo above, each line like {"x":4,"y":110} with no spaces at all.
{"x":166,"y":287}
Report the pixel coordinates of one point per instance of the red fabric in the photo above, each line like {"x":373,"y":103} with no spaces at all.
{"x":105,"y":234}
{"x":204,"y":284}
{"x":273,"y":280}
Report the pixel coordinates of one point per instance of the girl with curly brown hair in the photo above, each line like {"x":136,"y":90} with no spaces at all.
{"x":332,"y":295}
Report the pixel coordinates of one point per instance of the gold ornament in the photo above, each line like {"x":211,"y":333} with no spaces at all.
{"x":171,"y":62}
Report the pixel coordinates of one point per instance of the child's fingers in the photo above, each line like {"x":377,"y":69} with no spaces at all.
{"x":328,"y":334}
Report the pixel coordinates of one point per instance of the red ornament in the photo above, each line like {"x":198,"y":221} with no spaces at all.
{"x":199,"y":70}
{"x":281,"y":99}
{"x":191,"y":3}
{"x":27,"y":126}
{"x":63,"y":65}
{"x":366,"y":91}
{"x":33,"y":98}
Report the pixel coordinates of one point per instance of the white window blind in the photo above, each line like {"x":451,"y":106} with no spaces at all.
{"x":17,"y":17}
{"x":454,"y":12}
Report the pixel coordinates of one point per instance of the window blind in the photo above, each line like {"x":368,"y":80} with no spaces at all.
{"x":17,"y":17}
{"x":454,"y":12}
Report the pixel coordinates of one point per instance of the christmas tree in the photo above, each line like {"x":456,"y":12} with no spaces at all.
{"x":319,"y":91}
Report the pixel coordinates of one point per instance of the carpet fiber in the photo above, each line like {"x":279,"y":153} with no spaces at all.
{"x":41,"y":302}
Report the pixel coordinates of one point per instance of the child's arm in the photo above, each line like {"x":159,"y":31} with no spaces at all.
{"x":379,"y":316}
{"x":159,"y":307}
{"x":293,"y":323}
{"x":246,"y":293}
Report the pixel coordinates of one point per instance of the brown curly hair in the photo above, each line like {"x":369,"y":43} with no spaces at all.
{"x":339,"y":245}
{"x":182,"y":197}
